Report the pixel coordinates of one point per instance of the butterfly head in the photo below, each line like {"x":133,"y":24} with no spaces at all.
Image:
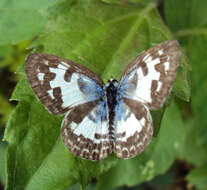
{"x":112,"y":82}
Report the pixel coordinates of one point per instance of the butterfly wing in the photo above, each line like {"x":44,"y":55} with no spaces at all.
{"x":61,"y":84}
{"x":150,"y":76}
{"x":133,"y":128}
{"x":85,"y":131}
{"x":64,"y":86}
{"x":144,"y":85}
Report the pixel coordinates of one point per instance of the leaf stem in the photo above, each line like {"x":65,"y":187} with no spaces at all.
{"x":195,"y":31}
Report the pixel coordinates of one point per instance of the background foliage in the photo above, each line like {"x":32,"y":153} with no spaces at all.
{"x":105,"y":36}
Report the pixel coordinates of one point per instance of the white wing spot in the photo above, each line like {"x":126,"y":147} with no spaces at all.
{"x":46,"y":62}
{"x":125,"y":149}
{"x":50,"y":92}
{"x":73,"y":125}
{"x":63,"y":65}
{"x":160,"y":52}
{"x":132,"y":148}
{"x":118,"y":147}
{"x":159,"y":85}
{"x":105,"y":148}
{"x":167,"y":66}
{"x":70,"y":142}
{"x":140,"y":144}
{"x":143,"y":121}
{"x":65,"y":132}
{"x":85,"y":150}
{"x":93,"y":114}
{"x":38,"y":70}
{"x":149,"y":59}
{"x":95,"y":150}
{"x":146,"y":57}
{"x":40,"y":76}
{"x":67,"y":88}
{"x":89,"y":128}
{"x":146,"y":81}
{"x":76,"y":147}
{"x":133,"y":126}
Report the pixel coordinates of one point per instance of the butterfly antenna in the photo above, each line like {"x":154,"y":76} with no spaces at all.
{"x":90,"y":64}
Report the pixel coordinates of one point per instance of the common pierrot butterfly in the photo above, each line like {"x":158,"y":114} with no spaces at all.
{"x":104,"y":118}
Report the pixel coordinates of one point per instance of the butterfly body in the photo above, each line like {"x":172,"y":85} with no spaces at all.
{"x":104,"y":118}
{"x":111,"y":91}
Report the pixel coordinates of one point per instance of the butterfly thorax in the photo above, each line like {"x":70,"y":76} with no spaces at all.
{"x":111,"y":95}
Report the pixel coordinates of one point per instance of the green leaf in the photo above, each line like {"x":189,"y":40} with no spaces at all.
{"x":191,"y":28}
{"x":193,"y":34}
{"x":196,"y":133}
{"x":34,"y":151}
{"x":107,"y":37}
{"x":19,"y":25}
{"x":182,"y":82}
{"x":129,"y":1}
{"x":25,"y":4}
{"x":6,"y":49}
{"x":199,"y":82}
{"x":193,"y":151}
{"x":155,"y":159}
{"x":185,"y":14}
{"x":178,"y":18}
{"x":198,"y":177}
{"x":2,"y":162}
{"x":5,"y":110}
{"x":12,"y":56}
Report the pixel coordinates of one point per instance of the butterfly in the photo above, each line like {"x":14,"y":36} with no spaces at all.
{"x":104,"y":118}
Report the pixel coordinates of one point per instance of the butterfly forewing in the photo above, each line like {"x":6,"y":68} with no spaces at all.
{"x":85,"y":131}
{"x":150,"y":76}
{"x":61,"y":84}
{"x":133,"y":128}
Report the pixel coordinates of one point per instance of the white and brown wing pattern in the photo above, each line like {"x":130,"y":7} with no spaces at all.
{"x":102,"y":118}
{"x":85,"y":131}
{"x":64,"y":86}
{"x":133,"y":128}
{"x":144,"y":86}
{"x":150,"y":76}
{"x":61,"y":84}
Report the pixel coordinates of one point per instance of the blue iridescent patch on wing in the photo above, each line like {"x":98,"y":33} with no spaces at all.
{"x":128,"y":86}
{"x":99,"y":113}
{"x":90,"y":88}
{"x":120,"y":111}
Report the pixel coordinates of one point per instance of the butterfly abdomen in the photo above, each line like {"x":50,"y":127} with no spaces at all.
{"x":111,"y":95}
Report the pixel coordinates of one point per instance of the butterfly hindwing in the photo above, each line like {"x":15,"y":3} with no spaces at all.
{"x":61,"y":84}
{"x":150,"y":76}
{"x":85,"y":131}
{"x":133,"y":128}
